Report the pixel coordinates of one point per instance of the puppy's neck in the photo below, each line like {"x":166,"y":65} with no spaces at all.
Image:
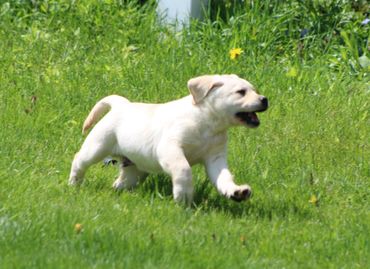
{"x":212,"y":120}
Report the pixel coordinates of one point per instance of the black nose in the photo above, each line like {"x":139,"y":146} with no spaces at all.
{"x":265,"y":102}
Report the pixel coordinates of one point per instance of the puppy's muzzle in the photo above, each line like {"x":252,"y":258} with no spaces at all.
{"x":251,"y":118}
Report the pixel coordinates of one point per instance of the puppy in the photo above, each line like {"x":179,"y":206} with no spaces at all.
{"x":171,"y":137}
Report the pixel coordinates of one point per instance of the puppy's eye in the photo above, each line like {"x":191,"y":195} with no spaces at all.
{"x":242,"y":92}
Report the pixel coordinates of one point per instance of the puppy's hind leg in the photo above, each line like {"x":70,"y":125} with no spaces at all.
{"x":92,"y":151}
{"x":129,"y":176}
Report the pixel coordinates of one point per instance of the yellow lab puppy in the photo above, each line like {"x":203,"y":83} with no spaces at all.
{"x":173,"y":136}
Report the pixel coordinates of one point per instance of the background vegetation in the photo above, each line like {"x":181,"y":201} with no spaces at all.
{"x":308,"y":162}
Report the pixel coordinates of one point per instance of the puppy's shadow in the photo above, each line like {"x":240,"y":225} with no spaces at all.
{"x":207,"y":199}
{"x":259,"y":206}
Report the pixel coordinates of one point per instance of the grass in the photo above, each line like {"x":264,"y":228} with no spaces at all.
{"x":308,"y":162}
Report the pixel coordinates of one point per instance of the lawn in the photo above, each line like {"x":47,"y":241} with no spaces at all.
{"x":308,"y":162}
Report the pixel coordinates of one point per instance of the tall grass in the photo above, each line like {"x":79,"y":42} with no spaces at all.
{"x":308,"y":162}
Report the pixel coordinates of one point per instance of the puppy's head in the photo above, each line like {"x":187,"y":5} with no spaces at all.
{"x":230,"y":97}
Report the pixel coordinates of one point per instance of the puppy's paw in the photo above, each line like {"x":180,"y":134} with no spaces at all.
{"x":74,"y":181}
{"x":184,"y":197}
{"x":118,"y":185}
{"x":124,"y":184}
{"x":242,"y":193}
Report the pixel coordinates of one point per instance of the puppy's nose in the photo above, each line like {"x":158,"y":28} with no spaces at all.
{"x":264,"y":102}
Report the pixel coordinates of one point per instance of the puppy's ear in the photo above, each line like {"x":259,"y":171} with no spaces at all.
{"x":199,"y":87}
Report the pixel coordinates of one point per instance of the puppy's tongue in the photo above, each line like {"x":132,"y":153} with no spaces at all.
{"x":248,"y":118}
{"x":253,"y":116}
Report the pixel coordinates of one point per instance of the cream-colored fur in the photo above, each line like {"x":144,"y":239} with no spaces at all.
{"x":173,"y":136}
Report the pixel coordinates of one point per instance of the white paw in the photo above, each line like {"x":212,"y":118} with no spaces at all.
{"x":118,"y":185}
{"x":74,"y":181}
{"x":241,"y":193}
{"x":183,"y":195}
{"x":124,"y":184}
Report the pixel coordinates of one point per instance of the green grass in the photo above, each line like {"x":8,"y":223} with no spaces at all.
{"x":57,"y":59}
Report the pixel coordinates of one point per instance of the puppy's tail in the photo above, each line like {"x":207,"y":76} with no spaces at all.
{"x":100,"y":108}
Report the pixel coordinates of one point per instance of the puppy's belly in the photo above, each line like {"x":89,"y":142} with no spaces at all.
{"x":144,"y":162}
{"x":147,"y":166}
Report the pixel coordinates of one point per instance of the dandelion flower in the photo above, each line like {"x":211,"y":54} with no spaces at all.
{"x":78,"y":227}
{"x":313,"y":200}
{"x":235,"y":53}
{"x":292,"y":72}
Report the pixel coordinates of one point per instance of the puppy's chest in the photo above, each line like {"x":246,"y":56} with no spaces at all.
{"x":198,"y":148}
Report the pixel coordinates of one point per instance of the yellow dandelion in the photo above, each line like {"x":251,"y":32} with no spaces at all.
{"x":78,"y":227}
{"x":235,"y":53}
{"x":313,"y":200}
{"x":292,"y":72}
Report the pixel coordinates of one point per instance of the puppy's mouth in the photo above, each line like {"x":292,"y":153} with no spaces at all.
{"x":248,"y":118}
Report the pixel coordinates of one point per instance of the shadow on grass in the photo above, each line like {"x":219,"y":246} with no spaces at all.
{"x":261,"y":208}
{"x":206,"y":199}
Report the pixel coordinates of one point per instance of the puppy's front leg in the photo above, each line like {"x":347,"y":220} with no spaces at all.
{"x":221,"y":177}
{"x":173,"y":162}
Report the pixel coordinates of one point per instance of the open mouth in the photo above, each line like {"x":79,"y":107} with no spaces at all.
{"x":249,"y":118}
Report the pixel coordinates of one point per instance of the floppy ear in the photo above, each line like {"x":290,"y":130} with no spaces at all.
{"x":199,"y":87}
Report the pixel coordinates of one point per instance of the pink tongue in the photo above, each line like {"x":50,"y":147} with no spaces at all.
{"x":253,"y":116}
